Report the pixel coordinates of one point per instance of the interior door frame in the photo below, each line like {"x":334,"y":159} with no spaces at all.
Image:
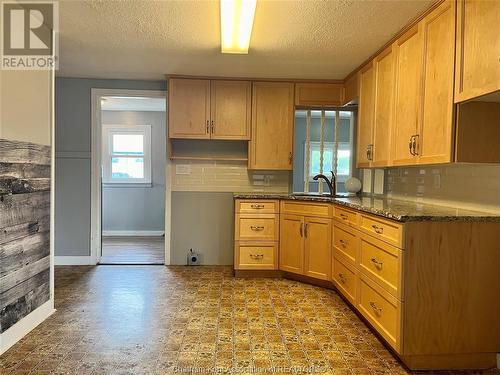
{"x":95,"y":192}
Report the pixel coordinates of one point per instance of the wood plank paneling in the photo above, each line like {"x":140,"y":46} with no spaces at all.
{"x":24,"y":229}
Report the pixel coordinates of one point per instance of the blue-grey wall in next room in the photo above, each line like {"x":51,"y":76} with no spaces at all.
{"x":73,"y":141}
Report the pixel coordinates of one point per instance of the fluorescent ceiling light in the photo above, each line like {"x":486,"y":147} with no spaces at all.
{"x":236,"y":21}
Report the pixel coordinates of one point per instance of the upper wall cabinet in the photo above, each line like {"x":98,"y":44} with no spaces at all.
{"x":365,"y":116}
{"x":383,"y":66}
{"x":189,"y":108}
{"x":351,"y":90}
{"x":204,"y":109}
{"x":319,"y":94}
{"x":272,"y":126}
{"x":478,"y":49}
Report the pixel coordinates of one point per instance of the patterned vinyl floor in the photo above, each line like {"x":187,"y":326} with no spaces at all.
{"x":165,"y":320}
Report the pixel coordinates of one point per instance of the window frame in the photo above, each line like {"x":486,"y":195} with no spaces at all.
{"x":108,"y":130}
{"x":315,"y":145}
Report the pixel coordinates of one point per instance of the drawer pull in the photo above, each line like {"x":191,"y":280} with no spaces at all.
{"x":378,"y":310}
{"x":256,"y":228}
{"x":343,"y":243}
{"x":377,"y":263}
{"x":342,"y":278}
{"x":257,"y":206}
{"x":344,"y":216}
{"x":377,"y":229}
{"x":301,"y":229}
{"x":257,"y":256}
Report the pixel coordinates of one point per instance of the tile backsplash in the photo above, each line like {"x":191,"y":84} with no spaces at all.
{"x":225,"y":176}
{"x":471,"y":186}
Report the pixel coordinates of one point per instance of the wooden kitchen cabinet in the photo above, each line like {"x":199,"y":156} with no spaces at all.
{"x":436,"y":133}
{"x":291,"y":243}
{"x":478,"y":49}
{"x":351,"y":90}
{"x":305,"y":239}
{"x":409,"y":52}
{"x":319,"y":94}
{"x":272,"y":126}
{"x":364,"y":147}
{"x":384,"y":67}
{"x":231,"y":109}
{"x":317,"y":248}
{"x":189,"y":108}
{"x":209,"y":109}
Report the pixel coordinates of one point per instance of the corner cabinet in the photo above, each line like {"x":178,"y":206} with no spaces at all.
{"x":478,"y":49}
{"x":209,"y":109}
{"x":272,"y":126}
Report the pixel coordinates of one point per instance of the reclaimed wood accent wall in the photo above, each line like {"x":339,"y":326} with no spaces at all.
{"x":24,"y":229}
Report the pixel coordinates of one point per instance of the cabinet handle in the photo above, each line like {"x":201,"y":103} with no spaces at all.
{"x":369,"y":152}
{"x":301,"y":230}
{"x":378,"y":310}
{"x":414,"y":145}
{"x":344,"y":216}
{"x":377,"y":229}
{"x":212,"y":127}
{"x":257,"y":256}
{"x":257,"y":206}
{"x":290,"y":158}
{"x":256,"y":228}
{"x":342,"y":278}
{"x":410,"y":145}
{"x":343,"y":243}
{"x":305,"y":230}
{"x":377,"y":263}
{"x":208,"y":127}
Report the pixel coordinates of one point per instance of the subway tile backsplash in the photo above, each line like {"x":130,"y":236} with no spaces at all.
{"x":472,"y":186}
{"x":225,"y":176}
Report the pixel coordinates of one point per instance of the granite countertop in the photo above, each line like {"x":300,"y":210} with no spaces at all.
{"x":395,"y":209}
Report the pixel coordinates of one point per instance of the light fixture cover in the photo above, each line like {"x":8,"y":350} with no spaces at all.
{"x":236,"y":21}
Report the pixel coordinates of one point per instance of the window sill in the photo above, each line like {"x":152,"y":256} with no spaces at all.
{"x":108,"y":185}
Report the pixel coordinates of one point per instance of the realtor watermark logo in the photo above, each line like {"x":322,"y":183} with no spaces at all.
{"x":30,"y":32}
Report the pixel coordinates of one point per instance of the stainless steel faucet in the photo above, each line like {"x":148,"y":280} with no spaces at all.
{"x":332,"y":184}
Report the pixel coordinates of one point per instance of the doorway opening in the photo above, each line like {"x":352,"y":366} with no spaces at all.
{"x":132,"y":183}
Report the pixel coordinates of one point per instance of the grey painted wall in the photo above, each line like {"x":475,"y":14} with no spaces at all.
{"x":138,"y":208}
{"x":73,"y":140}
{"x":203,"y":221}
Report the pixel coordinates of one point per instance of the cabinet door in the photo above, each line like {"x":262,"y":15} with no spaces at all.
{"x":319,"y":94}
{"x":478,"y":49}
{"x":408,"y":95}
{"x":231,"y":105}
{"x":292,"y":244}
{"x":365,"y":115}
{"x":317,"y":248}
{"x":435,"y":143}
{"x":272,"y":126}
{"x":384,"y":105}
{"x":188,"y":108}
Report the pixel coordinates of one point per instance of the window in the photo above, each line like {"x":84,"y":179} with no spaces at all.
{"x":126,"y":154}
{"x":343,"y":160}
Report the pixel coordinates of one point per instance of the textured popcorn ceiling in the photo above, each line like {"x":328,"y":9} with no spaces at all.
{"x":139,"y":39}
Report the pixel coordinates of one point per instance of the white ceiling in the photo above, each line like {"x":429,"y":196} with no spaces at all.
{"x":119,"y":103}
{"x":146,"y":39}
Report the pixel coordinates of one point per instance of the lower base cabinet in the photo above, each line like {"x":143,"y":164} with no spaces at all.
{"x":428,"y":288}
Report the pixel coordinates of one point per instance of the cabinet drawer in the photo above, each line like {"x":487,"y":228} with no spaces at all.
{"x":257,"y":206}
{"x":345,"y":242}
{"x":381,"y":309}
{"x":257,"y":228}
{"x":255,"y":256}
{"x":344,"y":277}
{"x":305,"y":209}
{"x":345,"y":216}
{"x":383,"y":229}
{"x":382,"y":263}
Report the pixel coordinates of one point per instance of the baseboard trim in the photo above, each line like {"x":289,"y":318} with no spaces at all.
{"x":136,"y":233}
{"x":25,"y":325}
{"x":73,"y":261}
